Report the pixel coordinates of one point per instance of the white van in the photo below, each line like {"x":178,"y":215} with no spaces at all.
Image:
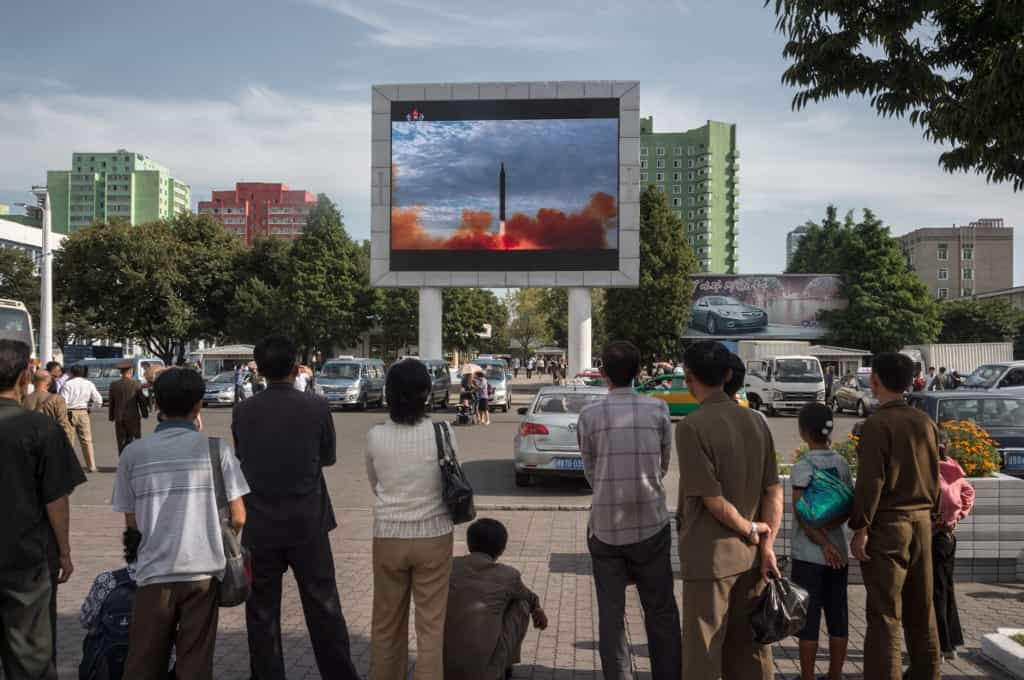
{"x":784,"y":383}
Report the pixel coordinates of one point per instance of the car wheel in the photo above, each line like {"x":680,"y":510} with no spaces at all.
{"x":711,"y":326}
{"x":363,"y":403}
{"x":523,"y":479}
{"x":861,"y":411}
{"x":835,"y":407}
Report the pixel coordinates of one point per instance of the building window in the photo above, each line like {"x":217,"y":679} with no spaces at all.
{"x":659,"y":177}
{"x":967,"y":274}
{"x":690,"y":164}
{"x":943,"y":252}
{"x":943,"y":275}
{"x":690,"y":150}
{"x":643,"y":150}
{"x":967,"y":253}
{"x":677,"y":163}
{"x":643,"y":164}
{"x":943,"y":293}
{"x":676,"y":202}
{"x":661,"y":163}
{"x":643,"y":176}
{"x":692,"y":201}
{"x":661,"y":188}
{"x":691,"y":176}
{"x":966,"y":291}
{"x":693,"y":189}
{"x":677,"y":150}
{"x":691,"y":214}
{"x":677,"y":189}
{"x":677,"y":177}
{"x":660,"y":151}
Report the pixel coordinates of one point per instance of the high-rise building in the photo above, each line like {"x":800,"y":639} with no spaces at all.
{"x":961,"y":261}
{"x":793,"y":239}
{"x":260,"y":209}
{"x":107,"y":186}
{"x":699,"y":171}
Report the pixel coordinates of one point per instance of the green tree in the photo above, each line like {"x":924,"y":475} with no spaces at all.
{"x":529,"y":324}
{"x":991,"y":320}
{"x":889,"y":307}
{"x":397,"y":312}
{"x":654,"y":315}
{"x":466,"y":310}
{"x":598,"y":320}
{"x":19,"y":281}
{"x":553,"y":310}
{"x":258,"y":307}
{"x":953,"y":68}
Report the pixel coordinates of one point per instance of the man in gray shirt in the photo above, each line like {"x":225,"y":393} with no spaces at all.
{"x":626,"y":444}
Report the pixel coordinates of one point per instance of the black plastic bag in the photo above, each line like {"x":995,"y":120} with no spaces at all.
{"x":780,"y":612}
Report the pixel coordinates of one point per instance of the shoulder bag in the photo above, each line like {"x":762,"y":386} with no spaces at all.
{"x":456,"y":490}
{"x":825,"y":500}
{"x":236,"y":585}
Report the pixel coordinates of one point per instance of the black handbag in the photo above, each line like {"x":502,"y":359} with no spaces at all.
{"x":456,"y":490}
{"x":236,"y":585}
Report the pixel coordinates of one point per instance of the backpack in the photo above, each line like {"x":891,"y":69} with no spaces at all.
{"x":105,"y":647}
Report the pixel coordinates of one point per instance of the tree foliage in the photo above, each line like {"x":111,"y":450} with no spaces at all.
{"x":952,"y":67}
{"x":889,"y":307}
{"x":19,"y":281}
{"x":530,"y":320}
{"x":466,"y":310}
{"x":991,"y":320}
{"x":654,"y":315}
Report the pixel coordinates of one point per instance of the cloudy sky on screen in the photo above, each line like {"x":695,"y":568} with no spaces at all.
{"x":450,"y":166}
{"x":279,"y":90}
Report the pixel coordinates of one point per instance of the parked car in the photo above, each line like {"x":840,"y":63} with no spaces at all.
{"x":441,"y":382}
{"x":497,"y":374}
{"x":996,"y":376}
{"x":1001,"y":414}
{"x":853,"y":393}
{"x":717,"y":313}
{"x":220,"y":390}
{"x":591,"y":377}
{"x":546,"y":443}
{"x":104,"y":372}
{"x":352,"y":382}
{"x":671,"y":388}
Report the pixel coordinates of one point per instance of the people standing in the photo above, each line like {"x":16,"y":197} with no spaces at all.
{"x":730,"y":509}
{"x":483,"y":397}
{"x":38,"y":471}
{"x":541,"y":366}
{"x":43,"y":400}
{"x":302,"y":379}
{"x":284,"y":439}
{"x":81,"y":396}
{"x":897,"y":490}
{"x":127,"y":407}
{"x":412,"y":531}
{"x":56,"y":371}
{"x":530,"y":365}
{"x":626,"y":443}
{"x":930,"y":382}
{"x":165,"y":487}
{"x":489,"y":609}
{"x":515,"y":367}
{"x":830,"y":380}
{"x":240,"y":372}
{"x":957,"y":499}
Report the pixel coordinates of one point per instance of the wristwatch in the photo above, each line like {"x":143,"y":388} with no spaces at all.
{"x":753,"y":532}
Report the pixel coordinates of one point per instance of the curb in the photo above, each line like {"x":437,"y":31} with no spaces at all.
{"x":521,"y":507}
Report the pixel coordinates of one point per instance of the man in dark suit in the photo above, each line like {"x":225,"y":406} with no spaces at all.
{"x":283,"y":439}
{"x":127,"y":407}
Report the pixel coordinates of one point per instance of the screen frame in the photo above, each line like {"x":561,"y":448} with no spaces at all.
{"x":627,"y":272}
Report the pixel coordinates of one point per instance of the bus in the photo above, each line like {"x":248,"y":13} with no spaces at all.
{"x":16,"y":324}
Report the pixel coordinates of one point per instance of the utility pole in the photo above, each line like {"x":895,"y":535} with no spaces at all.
{"x":46,"y":280}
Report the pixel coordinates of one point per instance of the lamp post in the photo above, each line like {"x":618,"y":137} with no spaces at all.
{"x":46,"y":280}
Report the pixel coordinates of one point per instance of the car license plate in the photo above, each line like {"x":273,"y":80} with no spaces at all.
{"x":1015,"y":460}
{"x":569,"y":463}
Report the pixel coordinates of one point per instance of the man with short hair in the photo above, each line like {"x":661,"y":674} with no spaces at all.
{"x":38,"y":471}
{"x":896,"y":494}
{"x":730,"y":509}
{"x":165,"y":487}
{"x":284,"y":438}
{"x":930,"y":382}
{"x":81,"y":395}
{"x":128,"y":406}
{"x":489,"y":609}
{"x":626,"y":444}
{"x":736,"y":381}
{"x":56,"y":372}
{"x":941,"y":382}
{"x":44,"y":400}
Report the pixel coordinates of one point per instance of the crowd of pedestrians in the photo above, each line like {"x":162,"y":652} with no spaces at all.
{"x":472,"y":612}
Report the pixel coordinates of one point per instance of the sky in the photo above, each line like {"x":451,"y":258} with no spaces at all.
{"x":279,"y":90}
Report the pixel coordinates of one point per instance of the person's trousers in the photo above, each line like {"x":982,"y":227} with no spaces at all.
{"x":404,"y":567}
{"x":898,"y":578}
{"x":183,"y":615}
{"x":83,"y":433}
{"x":26,"y":638}
{"x":313,"y":566}
{"x":514,"y":626}
{"x":126,"y":433}
{"x":648,"y":564}
{"x":947,"y":616}
{"x":717,"y":639}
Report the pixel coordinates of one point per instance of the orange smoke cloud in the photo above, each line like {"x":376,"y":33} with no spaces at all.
{"x":548,"y":230}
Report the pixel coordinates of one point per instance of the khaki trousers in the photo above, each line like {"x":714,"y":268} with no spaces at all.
{"x":898,"y":578}
{"x":419,"y":567}
{"x":182,"y":614}
{"x":83,"y":432}
{"x":717,"y":640}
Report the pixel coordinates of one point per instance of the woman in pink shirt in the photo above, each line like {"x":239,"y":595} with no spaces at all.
{"x":957,"y":499}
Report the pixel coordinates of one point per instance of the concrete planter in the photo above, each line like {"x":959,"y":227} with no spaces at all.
{"x":1001,"y":650}
{"x":990,"y":542}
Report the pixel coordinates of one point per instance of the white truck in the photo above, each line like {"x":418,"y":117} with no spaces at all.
{"x":781,"y":376}
{"x":962,"y":357}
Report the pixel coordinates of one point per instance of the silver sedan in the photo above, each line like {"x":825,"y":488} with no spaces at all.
{"x":546,"y":442}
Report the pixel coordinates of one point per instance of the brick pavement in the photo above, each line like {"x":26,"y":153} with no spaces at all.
{"x":549,"y":548}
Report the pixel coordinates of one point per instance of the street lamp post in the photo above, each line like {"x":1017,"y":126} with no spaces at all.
{"x":46,"y":280}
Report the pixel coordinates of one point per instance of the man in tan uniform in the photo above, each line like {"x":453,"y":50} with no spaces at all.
{"x":897,"y":492}
{"x":730,"y":508}
{"x":48,"y":403}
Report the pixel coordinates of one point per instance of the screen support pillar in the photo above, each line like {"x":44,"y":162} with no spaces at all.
{"x":580,"y":337}
{"x":431,"y":310}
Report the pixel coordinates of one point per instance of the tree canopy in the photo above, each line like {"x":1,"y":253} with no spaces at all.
{"x":466,"y":310}
{"x":954,"y":68}
{"x":968,"y":320}
{"x":889,"y":306}
{"x":19,"y":281}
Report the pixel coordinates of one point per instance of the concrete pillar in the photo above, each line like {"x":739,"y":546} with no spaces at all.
{"x":46,"y":289}
{"x":431,"y":311}
{"x":580,"y":330}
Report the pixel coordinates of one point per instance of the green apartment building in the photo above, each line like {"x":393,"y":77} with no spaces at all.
{"x":108,"y":186}
{"x":699,"y":171}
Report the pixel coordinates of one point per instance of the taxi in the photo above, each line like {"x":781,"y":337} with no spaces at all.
{"x":671,"y":388}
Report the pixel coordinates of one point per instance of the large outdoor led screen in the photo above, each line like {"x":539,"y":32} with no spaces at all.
{"x":505,"y":185}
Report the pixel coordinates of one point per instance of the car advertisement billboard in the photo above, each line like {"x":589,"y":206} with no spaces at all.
{"x":763,"y":306}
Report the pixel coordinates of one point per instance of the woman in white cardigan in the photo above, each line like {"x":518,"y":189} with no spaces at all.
{"x":412,"y":531}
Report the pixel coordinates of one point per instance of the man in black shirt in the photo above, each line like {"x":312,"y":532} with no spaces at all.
{"x":38,"y":469}
{"x":283,"y":439}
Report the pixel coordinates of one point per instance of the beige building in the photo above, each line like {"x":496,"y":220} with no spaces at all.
{"x":957,"y":262}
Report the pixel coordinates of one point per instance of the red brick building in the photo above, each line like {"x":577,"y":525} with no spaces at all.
{"x":260,"y":210}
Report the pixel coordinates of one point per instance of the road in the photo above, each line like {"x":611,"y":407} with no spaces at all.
{"x":485,"y":453}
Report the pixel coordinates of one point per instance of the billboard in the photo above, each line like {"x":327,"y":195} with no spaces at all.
{"x":762,"y":306}
{"x":518,"y":184}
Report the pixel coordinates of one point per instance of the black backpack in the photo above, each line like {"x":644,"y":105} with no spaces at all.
{"x":105,"y":648}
